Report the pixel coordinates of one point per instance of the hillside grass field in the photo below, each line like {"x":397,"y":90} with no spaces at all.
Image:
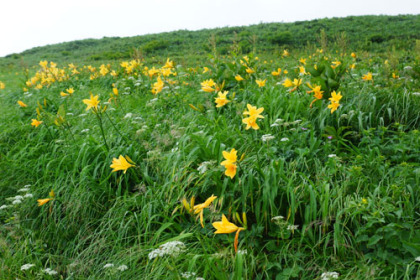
{"x":277,"y":156}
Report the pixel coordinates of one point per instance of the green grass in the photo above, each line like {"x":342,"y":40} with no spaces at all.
{"x":354,"y":198}
{"x":350,"y":33}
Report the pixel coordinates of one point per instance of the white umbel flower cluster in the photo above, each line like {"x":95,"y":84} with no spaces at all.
{"x":202,"y":168}
{"x":172,"y":248}
{"x":50,"y":271}
{"x":122,"y":267}
{"x":329,"y":275}
{"x":26,"y":266}
{"x":267,"y":137}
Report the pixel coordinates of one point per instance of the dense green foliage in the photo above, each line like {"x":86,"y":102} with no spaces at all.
{"x":316,"y":191}
{"x":370,"y":33}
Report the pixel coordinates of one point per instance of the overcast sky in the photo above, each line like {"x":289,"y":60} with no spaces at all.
{"x":29,"y":23}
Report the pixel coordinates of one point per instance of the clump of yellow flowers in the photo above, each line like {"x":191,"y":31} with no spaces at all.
{"x":122,"y":163}
{"x":225,"y":226}
{"x":335,"y":101}
{"x":253,"y":115}
{"x":221,"y":99}
{"x":230,"y":163}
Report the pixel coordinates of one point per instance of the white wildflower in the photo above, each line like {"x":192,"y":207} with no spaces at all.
{"x":202,"y":168}
{"x":276,"y":218}
{"x":26,"y":266}
{"x":69,"y":114}
{"x":172,"y":248}
{"x":329,"y":275}
{"x":416,"y":93}
{"x":188,"y":275}
{"x":332,"y":155}
{"x":277,"y":122}
{"x":17,"y":201}
{"x":85,"y":130}
{"x":3,"y":207}
{"x":50,"y":271}
{"x":28,"y":195}
{"x":284,"y":139}
{"x":128,"y":115}
{"x":122,"y":267}
{"x":23,"y":189}
{"x":82,"y":115}
{"x":243,"y":252}
{"x":267,"y":137}
{"x":292,"y":227}
{"x":417,"y":259}
{"x":108,"y":265}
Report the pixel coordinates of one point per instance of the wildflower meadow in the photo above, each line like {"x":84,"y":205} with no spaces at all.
{"x":303,"y":163}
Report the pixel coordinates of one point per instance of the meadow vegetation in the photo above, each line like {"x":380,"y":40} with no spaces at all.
{"x":294,"y":155}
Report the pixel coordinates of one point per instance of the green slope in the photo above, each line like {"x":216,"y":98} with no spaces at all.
{"x":356,"y":32}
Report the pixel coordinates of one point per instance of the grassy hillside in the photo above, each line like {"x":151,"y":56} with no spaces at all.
{"x":369,"y":33}
{"x":297,"y":163}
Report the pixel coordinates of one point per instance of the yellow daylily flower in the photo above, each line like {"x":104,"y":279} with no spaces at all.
{"x":335,"y":64}
{"x":229,"y":162}
{"x":43,"y":201}
{"x":230,"y":170}
{"x":36,"y":122}
{"x":287,"y":83}
{"x":249,"y":70}
{"x":335,"y":96}
{"x":121,"y":163}
{"x":221,"y":99}
{"x":261,"y":83}
{"x":227,"y":227}
{"x":208,"y":85}
{"x":251,"y":122}
{"x":158,"y":86}
{"x":224,"y":226}
{"x":21,"y":104}
{"x":199,"y":208}
{"x":238,"y":78}
{"x":46,"y":200}
{"x":93,"y":102}
{"x":367,"y":77}
{"x":276,"y":73}
{"x":230,"y":157}
{"x":254,"y":112}
{"x":333,"y":106}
